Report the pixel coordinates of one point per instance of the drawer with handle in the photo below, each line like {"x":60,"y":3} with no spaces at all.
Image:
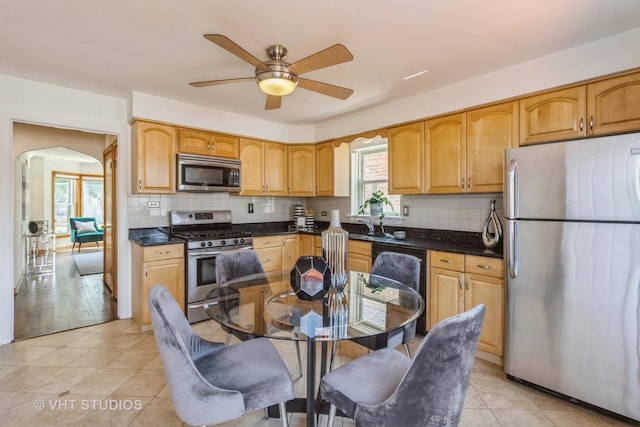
{"x":486,"y":266}
{"x":447,"y":260}
{"x":160,"y":252}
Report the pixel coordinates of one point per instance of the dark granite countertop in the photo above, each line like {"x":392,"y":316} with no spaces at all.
{"x":152,"y":236}
{"x":463,"y":242}
{"x":428,"y":239}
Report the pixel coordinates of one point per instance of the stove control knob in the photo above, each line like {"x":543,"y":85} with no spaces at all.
{"x":209,"y":244}
{"x":223,"y":242}
{"x":235,"y":241}
{"x":203,"y":244}
{"x":241,"y":241}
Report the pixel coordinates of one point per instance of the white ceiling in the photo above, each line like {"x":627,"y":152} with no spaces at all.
{"x":157,"y":47}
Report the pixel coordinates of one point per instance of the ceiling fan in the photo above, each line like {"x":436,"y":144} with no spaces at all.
{"x":278,"y":78}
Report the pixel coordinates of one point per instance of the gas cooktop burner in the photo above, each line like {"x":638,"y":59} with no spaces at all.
{"x":208,"y":229}
{"x":211,"y":234}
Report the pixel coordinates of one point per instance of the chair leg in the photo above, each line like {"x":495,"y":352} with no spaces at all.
{"x":334,"y":349}
{"x":332,"y":415}
{"x":73,"y":247}
{"x":229,"y":335}
{"x":299,"y":358}
{"x":406,"y":350}
{"x":98,"y":245}
{"x":283,"y":414}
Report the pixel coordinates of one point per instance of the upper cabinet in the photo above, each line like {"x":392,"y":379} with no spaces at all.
{"x":301,"y":170}
{"x":153,"y":158}
{"x":256,"y":179}
{"x":613,"y":105}
{"x":490,"y":130}
{"x":553,"y":116}
{"x":207,"y":143}
{"x":446,"y":146}
{"x":406,"y":154}
{"x":464,"y":152}
{"x":332,"y":169}
{"x":606,"y":106}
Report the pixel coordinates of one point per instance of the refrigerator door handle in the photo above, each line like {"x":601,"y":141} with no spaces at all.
{"x":512,"y":249}
{"x":512,"y":189}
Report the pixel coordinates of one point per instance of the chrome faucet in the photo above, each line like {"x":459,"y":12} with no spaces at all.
{"x":369,"y":224}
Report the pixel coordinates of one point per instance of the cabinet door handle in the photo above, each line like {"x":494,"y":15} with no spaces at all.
{"x":460,"y":283}
{"x":140,"y":184}
{"x":591,"y":123}
{"x":146,"y":272}
{"x":469,"y":183}
{"x":448,"y":261}
{"x":462,"y":183}
{"x":581,"y":124}
{"x":467,"y":284}
{"x":484,"y":266}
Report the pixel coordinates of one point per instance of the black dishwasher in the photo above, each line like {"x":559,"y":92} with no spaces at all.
{"x":421,"y":254}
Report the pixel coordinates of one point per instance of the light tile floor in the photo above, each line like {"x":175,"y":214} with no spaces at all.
{"x":111,"y":374}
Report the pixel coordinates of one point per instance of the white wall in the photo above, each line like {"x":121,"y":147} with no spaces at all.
{"x":35,"y":102}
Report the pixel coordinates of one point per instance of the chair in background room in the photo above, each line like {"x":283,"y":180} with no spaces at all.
{"x":231,"y":265}
{"x":405,"y":269}
{"x":209,"y":382}
{"x":387,"y":388}
{"x":84,"y":230}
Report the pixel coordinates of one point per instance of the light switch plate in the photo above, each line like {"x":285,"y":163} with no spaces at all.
{"x":405,"y":210}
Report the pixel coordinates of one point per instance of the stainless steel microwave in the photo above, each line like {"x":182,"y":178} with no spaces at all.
{"x":208,"y":174}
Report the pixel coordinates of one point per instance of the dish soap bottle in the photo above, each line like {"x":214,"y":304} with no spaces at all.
{"x":491,"y":239}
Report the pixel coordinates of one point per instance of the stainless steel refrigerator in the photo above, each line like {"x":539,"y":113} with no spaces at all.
{"x":573,"y":269}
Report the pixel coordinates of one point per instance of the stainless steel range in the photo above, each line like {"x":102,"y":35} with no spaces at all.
{"x":207,"y":233}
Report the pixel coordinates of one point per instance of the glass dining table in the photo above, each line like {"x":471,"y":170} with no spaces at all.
{"x":265,"y":305}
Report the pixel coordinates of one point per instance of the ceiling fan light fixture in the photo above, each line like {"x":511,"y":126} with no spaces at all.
{"x":276,"y":83}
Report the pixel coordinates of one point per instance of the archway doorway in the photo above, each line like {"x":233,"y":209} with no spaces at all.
{"x":65,"y":296}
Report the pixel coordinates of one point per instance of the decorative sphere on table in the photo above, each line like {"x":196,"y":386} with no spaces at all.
{"x":310,"y":278}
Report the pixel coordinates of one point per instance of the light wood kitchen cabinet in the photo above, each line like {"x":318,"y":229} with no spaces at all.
{"x":490,"y":130}
{"x":333,"y":168}
{"x":301,"y":170}
{"x":153,"y":158}
{"x":152,"y":265}
{"x":459,"y":282}
{"x":553,"y":116}
{"x":269,"y":250}
{"x":253,"y":298}
{"x":256,"y":179}
{"x":307,"y":245}
{"x":445,"y":149}
{"x":207,"y":143}
{"x":465,"y":151}
{"x":613,"y":105}
{"x":406,"y":159}
{"x":360,"y":256}
{"x":290,"y":250}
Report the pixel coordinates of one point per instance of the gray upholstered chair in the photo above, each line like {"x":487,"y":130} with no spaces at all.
{"x":234,"y":264}
{"x":387,"y":388}
{"x":405,"y":269}
{"x":211,"y":383}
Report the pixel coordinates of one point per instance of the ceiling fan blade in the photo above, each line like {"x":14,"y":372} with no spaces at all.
{"x":221,"y":82}
{"x":231,"y":47}
{"x":273,"y":102}
{"x":336,"y":54}
{"x":325,"y":88}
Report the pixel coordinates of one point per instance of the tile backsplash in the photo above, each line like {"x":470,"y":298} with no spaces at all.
{"x":465,"y":212}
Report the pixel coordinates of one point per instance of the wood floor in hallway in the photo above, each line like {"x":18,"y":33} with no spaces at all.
{"x":61,"y":300}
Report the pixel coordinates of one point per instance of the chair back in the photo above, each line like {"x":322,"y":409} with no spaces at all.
{"x":401,"y":267}
{"x":196,"y":401}
{"x":234,"y":264}
{"x":433,"y":389}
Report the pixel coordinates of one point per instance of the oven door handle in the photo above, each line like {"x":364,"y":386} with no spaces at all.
{"x":217,"y":252}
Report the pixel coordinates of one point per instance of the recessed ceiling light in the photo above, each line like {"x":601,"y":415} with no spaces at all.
{"x":419,"y":73}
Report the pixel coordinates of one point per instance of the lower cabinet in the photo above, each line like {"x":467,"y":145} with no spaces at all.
{"x":360,"y":256}
{"x":290,"y":250}
{"x":269,"y":250}
{"x":458,"y":282}
{"x":152,"y":265}
{"x":253,"y":298}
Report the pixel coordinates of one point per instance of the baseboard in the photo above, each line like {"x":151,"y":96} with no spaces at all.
{"x":16,"y":288}
{"x":490,"y":357}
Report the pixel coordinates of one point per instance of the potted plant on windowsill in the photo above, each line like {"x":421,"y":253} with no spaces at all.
{"x":376,"y":205}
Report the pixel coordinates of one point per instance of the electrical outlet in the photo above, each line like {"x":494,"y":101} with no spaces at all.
{"x":153,"y":204}
{"x":323,"y":213}
{"x":250,"y":208}
{"x":405,"y":210}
